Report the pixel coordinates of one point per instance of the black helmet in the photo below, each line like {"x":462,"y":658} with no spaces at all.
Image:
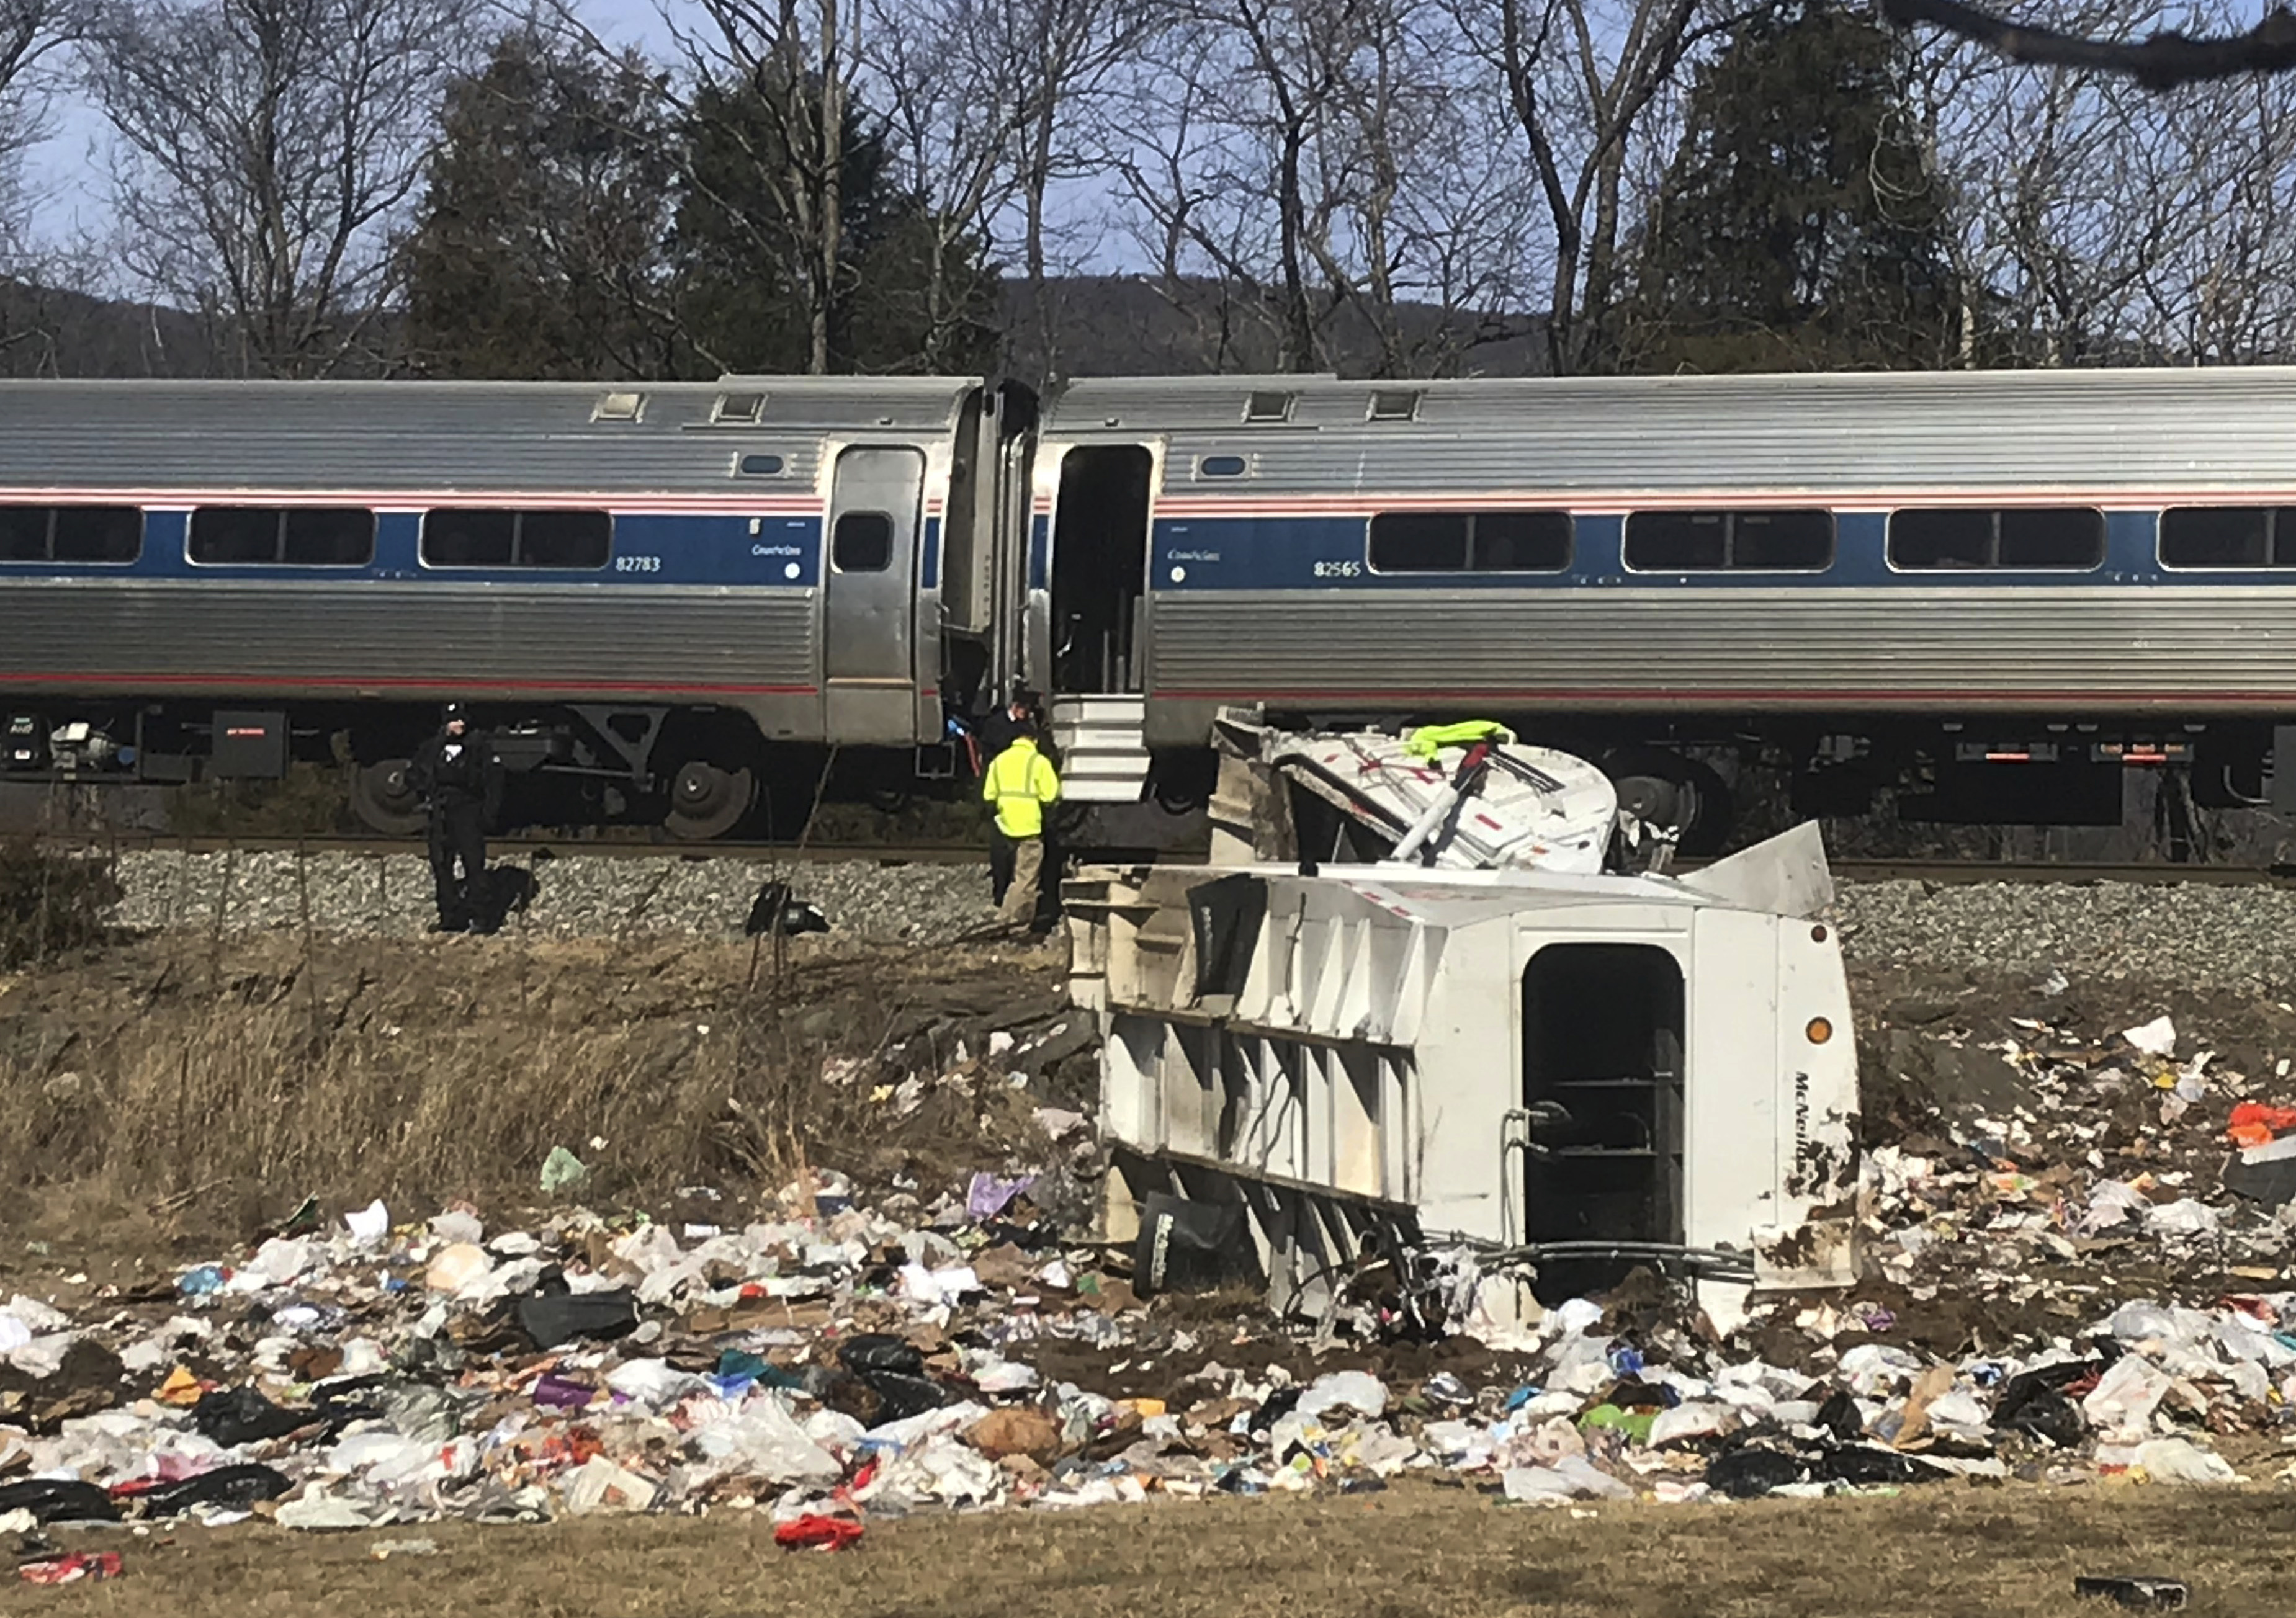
{"x":456,"y":710}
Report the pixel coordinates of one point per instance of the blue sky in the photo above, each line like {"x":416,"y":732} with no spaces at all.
{"x":70,"y":170}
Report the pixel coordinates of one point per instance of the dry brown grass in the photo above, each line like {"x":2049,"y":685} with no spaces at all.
{"x":1938,"y":1553}
{"x":219,"y":1079}
{"x":51,"y":903}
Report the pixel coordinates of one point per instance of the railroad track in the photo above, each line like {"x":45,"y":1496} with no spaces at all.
{"x":526,"y":847}
{"x":1971,"y":871}
{"x":1940,"y":872}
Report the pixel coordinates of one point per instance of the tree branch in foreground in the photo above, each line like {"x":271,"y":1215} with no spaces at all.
{"x":2159,"y":62}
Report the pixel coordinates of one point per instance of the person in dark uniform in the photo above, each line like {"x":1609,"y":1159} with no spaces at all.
{"x":458,"y":776}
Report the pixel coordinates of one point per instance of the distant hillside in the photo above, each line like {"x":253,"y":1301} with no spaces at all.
{"x":1131,"y":326}
{"x":1095,"y":325}
{"x":47,"y":331}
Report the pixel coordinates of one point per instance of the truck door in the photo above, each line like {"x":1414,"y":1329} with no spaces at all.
{"x":869,"y":651}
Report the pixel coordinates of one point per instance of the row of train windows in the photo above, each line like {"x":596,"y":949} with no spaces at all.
{"x":311,"y":536}
{"x":2023,"y":539}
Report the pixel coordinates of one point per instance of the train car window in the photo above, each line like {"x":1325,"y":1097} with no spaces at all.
{"x":328,"y":537}
{"x":1470,"y":542}
{"x":738,"y":409}
{"x":24,"y":532}
{"x":1394,"y":404}
{"x":2039,"y":539}
{"x":463,"y":537}
{"x":1220,"y":466}
{"x":1677,"y":542}
{"x":1269,"y":406}
{"x":316,"y":536}
{"x":234,"y":536}
{"x":760,"y":466}
{"x":466,"y":536}
{"x":2067,"y":536}
{"x":1782,"y":542}
{"x":1785,"y":541}
{"x":1419,"y":542}
{"x":113,"y":535}
{"x":862,"y":543}
{"x":1519,"y":541}
{"x":2228,"y":537}
{"x":564,"y":539}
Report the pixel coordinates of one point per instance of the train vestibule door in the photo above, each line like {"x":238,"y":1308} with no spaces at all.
{"x":869,"y":576}
{"x":1100,"y":570}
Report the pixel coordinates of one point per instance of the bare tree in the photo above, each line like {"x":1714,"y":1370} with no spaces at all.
{"x":2160,"y":60}
{"x":1582,"y":78}
{"x":958,"y":80}
{"x":33,"y":32}
{"x":267,"y":150}
{"x":767,"y":85}
{"x":2098,"y":222}
{"x":1307,"y":170}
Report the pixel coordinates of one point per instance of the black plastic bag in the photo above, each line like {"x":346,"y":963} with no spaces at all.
{"x":880,"y":1352}
{"x":2032,"y":1402}
{"x":232,"y":1487}
{"x":900,"y":1397}
{"x":236,"y":1416}
{"x":1187,"y":1246}
{"x":553,"y":1319}
{"x":1862,"y":1464}
{"x":59,"y":1500}
{"x":894,"y":1370}
{"x":1280,"y":1403}
{"x":1839,"y":1415}
{"x":1746,"y":1473}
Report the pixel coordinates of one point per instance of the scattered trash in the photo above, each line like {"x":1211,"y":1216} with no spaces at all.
{"x":71,"y":1569}
{"x":563,"y":1171}
{"x":554,"y":1319}
{"x":2146,"y":1595}
{"x":382,"y":1550}
{"x":370,"y":1226}
{"x":2155,"y":1038}
{"x":810,"y":1532}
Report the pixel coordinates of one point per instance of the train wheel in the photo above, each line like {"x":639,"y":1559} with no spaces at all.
{"x":382,"y":799}
{"x":707,"y":802}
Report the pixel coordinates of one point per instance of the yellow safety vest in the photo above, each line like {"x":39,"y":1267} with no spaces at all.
{"x":1429,"y":739}
{"x":1021,"y":781}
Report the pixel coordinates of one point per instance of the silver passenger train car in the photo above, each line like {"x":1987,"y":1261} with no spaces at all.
{"x":646,"y":591}
{"x":2004,"y":586}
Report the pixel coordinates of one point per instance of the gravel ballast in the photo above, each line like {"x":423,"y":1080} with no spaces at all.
{"x":574,"y":896}
{"x":2204,"y":935}
{"x":2200,"y":935}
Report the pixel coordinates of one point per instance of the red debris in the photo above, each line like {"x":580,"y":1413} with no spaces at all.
{"x":71,"y":1569}
{"x":818,"y":1533}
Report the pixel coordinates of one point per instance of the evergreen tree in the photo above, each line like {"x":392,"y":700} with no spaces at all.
{"x":747,"y":230}
{"x":1799,"y":226}
{"x":540,"y":251}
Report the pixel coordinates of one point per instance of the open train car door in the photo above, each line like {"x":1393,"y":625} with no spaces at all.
{"x":1100,"y":568}
{"x":869,"y":674}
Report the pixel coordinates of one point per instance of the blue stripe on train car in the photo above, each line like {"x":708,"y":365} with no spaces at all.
{"x":649,"y":548}
{"x":928,"y":564}
{"x":1313,"y":551}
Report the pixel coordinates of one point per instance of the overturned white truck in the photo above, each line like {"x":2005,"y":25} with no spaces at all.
{"x":1562,"y":1073}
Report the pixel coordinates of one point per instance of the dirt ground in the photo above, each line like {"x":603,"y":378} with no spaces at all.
{"x":2008,"y":1553}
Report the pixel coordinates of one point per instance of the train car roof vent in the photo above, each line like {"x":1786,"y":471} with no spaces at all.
{"x":618,"y":407}
{"x":1269,"y":406}
{"x":1395,"y":403}
{"x":738,"y":409}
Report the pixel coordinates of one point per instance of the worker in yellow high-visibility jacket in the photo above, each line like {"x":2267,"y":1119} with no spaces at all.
{"x":1018,"y":785}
